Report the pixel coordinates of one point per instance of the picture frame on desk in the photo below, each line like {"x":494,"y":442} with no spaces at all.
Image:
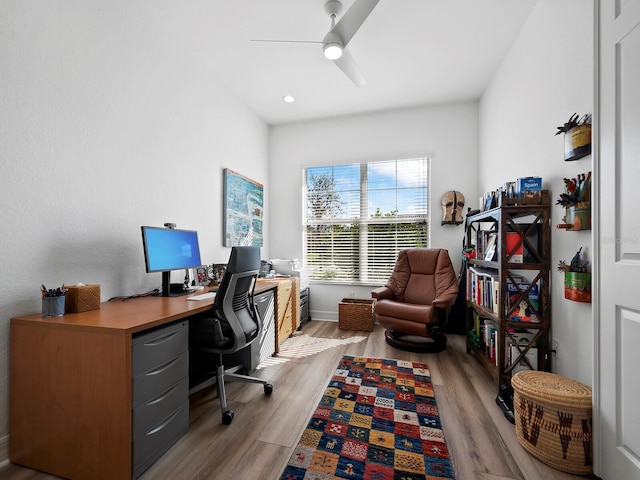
{"x":219,"y":269}
{"x":201,"y":276}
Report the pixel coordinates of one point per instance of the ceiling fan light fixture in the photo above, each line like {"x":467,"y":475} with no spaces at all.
{"x":332,"y":50}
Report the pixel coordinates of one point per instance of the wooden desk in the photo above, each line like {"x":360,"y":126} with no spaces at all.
{"x":71,"y":385}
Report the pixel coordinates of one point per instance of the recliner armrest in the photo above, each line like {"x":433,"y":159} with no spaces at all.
{"x":381,"y":293}
{"x":444,"y":301}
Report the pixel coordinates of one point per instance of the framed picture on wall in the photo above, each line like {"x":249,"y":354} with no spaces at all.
{"x":243,"y":210}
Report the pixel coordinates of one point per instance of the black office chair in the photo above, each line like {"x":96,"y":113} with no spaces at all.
{"x":235,"y":323}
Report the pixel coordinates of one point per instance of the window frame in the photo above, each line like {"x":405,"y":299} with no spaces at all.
{"x":364,"y":219}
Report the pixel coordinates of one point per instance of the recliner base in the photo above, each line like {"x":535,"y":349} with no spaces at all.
{"x":414,"y":343}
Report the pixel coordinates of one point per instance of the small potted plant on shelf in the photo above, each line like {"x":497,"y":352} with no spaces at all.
{"x":577,"y":281}
{"x":577,"y":137}
{"x":576,"y":199}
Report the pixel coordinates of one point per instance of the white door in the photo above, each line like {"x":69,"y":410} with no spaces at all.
{"x":617,"y":308}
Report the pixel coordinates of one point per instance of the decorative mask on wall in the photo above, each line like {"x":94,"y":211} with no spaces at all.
{"x":452,"y":207}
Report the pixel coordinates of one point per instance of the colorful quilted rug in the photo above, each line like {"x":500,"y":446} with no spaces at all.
{"x":377,"y":420}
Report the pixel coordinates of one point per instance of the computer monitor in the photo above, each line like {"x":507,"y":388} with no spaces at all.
{"x":167,"y":249}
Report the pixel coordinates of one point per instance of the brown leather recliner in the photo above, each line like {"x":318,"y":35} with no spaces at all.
{"x":413,"y":306}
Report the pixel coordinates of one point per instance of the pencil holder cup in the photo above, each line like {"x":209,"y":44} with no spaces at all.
{"x":53,"y":306}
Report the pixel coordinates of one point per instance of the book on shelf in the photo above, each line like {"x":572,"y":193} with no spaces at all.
{"x":521,"y":337}
{"x":490,"y":337}
{"x":496,"y":297}
{"x":531,"y":250}
{"x":476,"y":323}
{"x":522,"y":301}
{"x":483,"y":287}
{"x":514,"y":246}
{"x":517,"y":341}
{"x":529,"y":187}
{"x":531,"y":355}
{"x":486,"y":244}
{"x":485,"y":337}
{"x":490,"y":246}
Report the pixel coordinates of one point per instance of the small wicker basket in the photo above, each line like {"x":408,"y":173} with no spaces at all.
{"x":355,"y":314}
{"x":82,"y":298}
{"x":553,"y":420}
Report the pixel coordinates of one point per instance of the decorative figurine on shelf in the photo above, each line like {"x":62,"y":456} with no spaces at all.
{"x":576,"y":264}
{"x":576,"y":199}
{"x":577,"y":281}
{"x":577,"y":137}
{"x":452,"y":208}
{"x":576,"y":190}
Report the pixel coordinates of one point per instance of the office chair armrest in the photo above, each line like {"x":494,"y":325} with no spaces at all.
{"x":382,"y":293}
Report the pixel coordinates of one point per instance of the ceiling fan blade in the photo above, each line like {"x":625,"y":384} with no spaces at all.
{"x":285,"y":41}
{"x":347,"y":64}
{"x":353,"y":19}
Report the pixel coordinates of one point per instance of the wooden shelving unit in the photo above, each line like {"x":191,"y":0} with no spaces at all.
{"x":516,"y":225}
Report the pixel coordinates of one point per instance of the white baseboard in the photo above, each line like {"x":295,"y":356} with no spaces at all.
{"x":4,"y":451}
{"x":324,"y":315}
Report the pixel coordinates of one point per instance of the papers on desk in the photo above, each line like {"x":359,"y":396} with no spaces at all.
{"x":204,"y":296}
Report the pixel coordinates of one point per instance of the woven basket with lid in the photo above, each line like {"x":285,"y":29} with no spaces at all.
{"x":553,"y":420}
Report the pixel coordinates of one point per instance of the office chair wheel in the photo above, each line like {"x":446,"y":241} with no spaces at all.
{"x":268,"y":389}
{"x":227,"y":417}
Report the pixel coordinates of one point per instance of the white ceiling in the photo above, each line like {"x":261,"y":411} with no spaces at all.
{"x":411,"y":52}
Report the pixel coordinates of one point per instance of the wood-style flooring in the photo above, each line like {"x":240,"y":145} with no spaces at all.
{"x":259,"y":441}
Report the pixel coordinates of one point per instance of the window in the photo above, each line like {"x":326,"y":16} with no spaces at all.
{"x":358,"y":216}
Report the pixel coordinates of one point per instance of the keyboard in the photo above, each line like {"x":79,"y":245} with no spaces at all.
{"x":203,"y":296}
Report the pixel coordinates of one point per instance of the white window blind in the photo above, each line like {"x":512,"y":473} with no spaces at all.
{"x":358,"y":216}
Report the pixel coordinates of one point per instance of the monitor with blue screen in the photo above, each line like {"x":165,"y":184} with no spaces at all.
{"x":167,"y":249}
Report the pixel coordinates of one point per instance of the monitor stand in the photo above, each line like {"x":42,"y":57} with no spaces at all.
{"x":172,"y":289}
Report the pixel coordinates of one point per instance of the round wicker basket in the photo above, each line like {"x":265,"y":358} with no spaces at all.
{"x":553,"y":420}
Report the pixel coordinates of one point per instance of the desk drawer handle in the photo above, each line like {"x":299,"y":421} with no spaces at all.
{"x":162,"y":368}
{"x":164,"y":424}
{"x":162,"y":396}
{"x":160,"y":340}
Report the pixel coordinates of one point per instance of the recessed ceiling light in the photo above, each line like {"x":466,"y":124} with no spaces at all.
{"x":289,"y":99}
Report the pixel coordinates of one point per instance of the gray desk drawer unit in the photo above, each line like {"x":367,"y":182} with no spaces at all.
{"x":160,"y":392}
{"x":265,"y":345}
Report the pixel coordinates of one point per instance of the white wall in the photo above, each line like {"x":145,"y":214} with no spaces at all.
{"x":108,"y":122}
{"x":546,"y":77}
{"x":447,"y":133}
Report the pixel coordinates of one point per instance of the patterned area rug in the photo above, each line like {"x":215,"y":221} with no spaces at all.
{"x":377,"y":420}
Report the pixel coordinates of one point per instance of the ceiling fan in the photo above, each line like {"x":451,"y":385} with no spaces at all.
{"x":334,"y":44}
